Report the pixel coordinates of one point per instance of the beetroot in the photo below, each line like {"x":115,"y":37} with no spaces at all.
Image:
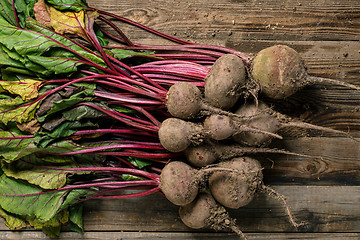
{"x":221,"y":127}
{"x":204,"y":212}
{"x":235,"y":190}
{"x":222,"y":83}
{"x":263,"y":117}
{"x":178,"y":184}
{"x":176,"y":135}
{"x":184,"y":100}
{"x":280,"y":72}
{"x":208,"y":152}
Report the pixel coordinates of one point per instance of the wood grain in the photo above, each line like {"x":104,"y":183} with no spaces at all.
{"x":325,"y":191}
{"x":289,"y":20}
{"x":325,"y":208}
{"x":177,"y":236}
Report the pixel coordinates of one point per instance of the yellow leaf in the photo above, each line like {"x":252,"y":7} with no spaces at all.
{"x":25,"y":88}
{"x":68,"y":22}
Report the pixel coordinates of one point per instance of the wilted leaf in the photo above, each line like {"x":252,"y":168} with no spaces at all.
{"x":83,"y":96}
{"x":51,"y":227}
{"x":13,"y":222}
{"x":42,"y":14}
{"x":31,"y":127}
{"x":25,"y":88}
{"x":14,"y":110}
{"x":68,"y":22}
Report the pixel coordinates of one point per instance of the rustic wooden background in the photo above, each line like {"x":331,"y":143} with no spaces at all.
{"x":326,"y":192}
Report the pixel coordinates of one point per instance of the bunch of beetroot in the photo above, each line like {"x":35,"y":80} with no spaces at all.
{"x":81,"y":119}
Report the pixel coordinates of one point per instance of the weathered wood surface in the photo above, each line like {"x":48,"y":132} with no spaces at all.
{"x":325,"y":191}
{"x":326,"y":209}
{"x":178,"y":236}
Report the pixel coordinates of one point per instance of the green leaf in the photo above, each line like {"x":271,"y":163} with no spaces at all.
{"x":140,"y":163}
{"x":7,"y":12}
{"x":13,"y":55}
{"x":101,"y":37}
{"x":128,"y":177}
{"x":122,"y":53}
{"x":83,"y":96}
{"x":31,"y":24}
{"x":55,"y":65}
{"x":24,"y":9}
{"x":40,"y":169}
{"x":15,"y":74}
{"x":51,"y":227}
{"x":35,"y":171}
{"x":12,"y":221}
{"x":6,"y":60}
{"x":76,"y":222}
{"x":26,"y":88}
{"x":69,"y":5}
{"x":13,"y":110}
{"x":82,"y":112}
{"x":19,"y":197}
{"x":64,"y":130}
{"x":14,"y":149}
{"x":41,"y":41}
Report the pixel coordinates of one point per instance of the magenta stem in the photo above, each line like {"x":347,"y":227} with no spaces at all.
{"x":143,"y":27}
{"x":125,"y":39}
{"x":131,"y":195}
{"x":132,"y":171}
{"x":117,"y":116}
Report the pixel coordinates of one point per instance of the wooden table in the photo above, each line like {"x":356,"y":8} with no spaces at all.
{"x":324,"y":192}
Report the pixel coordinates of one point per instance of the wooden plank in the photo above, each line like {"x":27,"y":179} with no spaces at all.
{"x":339,"y":163}
{"x":177,"y":236}
{"x":325,"y":208}
{"x":246,"y":20}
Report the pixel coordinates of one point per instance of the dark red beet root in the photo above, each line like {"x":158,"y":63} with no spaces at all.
{"x":223,"y":82}
{"x":232,"y":189}
{"x":177,"y":182}
{"x":201,"y":155}
{"x":208,"y":152}
{"x":184,"y":100}
{"x":176,"y":135}
{"x":280,"y":72}
{"x":220,"y":127}
{"x":204,"y":212}
{"x":267,"y":119}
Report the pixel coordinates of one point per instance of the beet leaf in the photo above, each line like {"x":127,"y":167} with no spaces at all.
{"x":22,"y":198}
